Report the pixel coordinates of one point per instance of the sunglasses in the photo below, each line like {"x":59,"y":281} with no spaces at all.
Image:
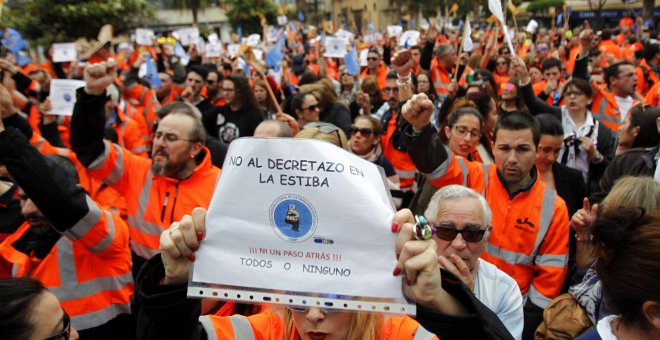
{"x":325,"y":128}
{"x":470,"y":232}
{"x":363,"y":131}
{"x":312,"y":107}
{"x":66,"y":332}
{"x":372,"y":59}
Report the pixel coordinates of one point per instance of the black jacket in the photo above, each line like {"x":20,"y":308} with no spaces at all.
{"x":164,"y":312}
{"x":633,"y":162}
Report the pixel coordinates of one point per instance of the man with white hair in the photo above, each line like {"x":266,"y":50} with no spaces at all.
{"x":461,"y":220}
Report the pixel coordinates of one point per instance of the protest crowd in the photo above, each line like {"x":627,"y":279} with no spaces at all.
{"x":532,"y":152}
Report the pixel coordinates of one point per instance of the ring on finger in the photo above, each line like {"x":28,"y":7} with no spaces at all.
{"x":173,"y":229}
{"x":422,"y":229}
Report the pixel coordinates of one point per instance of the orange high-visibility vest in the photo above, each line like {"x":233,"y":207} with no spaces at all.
{"x":400,"y":159}
{"x":269,"y":326}
{"x":652,"y":97}
{"x":153,"y":202}
{"x":381,"y":76}
{"x":605,"y":108}
{"x":129,"y":135}
{"x":88,"y":269}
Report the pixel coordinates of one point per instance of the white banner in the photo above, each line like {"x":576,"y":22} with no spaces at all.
{"x":188,"y":36}
{"x":144,"y":37}
{"x":253,"y":40}
{"x":394,"y":30}
{"x":364,"y":53}
{"x":63,"y":95}
{"x":64,"y":52}
{"x":335,"y":47}
{"x":213,"y":49}
{"x":296,"y":221}
{"x":409,"y":38}
{"x":341,"y":33}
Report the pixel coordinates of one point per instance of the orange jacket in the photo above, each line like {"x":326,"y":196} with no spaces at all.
{"x":540,"y":86}
{"x":381,"y":76}
{"x":644,"y":83}
{"x":153,"y":202}
{"x":653,"y":96}
{"x":440,"y":77}
{"x":138,"y":117}
{"x":144,"y":99}
{"x":88,"y":269}
{"x":398,"y":156}
{"x":529,"y":238}
{"x":605,"y":108}
{"x":129,"y":135}
{"x":269,"y":325}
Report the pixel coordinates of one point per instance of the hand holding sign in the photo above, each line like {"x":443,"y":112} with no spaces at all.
{"x":179,"y":243}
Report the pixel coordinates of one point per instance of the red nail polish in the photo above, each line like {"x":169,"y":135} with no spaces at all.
{"x":395,"y":227}
{"x":191,"y":257}
{"x":200,"y":236}
{"x":396,"y":271}
{"x":397,"y":255}
{"x":408,"y":282}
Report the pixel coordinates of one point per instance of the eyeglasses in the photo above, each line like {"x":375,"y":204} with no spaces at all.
{"x":471,"y":232}
{"x":66,"y":332}
{"x":325,"y":128}
{"x":169,"y":137}
{"x":372,"y":59}
{"x":462,"y":131}
{"x":312,"y":107}
{"x":391,"y":89}
{"x":366,"y":132}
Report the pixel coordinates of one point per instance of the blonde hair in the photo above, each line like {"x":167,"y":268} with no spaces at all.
{"x":324,"y":92}
{"x":629,"y":192}
{"x":363,"y":326}
{"x":337,"y":137}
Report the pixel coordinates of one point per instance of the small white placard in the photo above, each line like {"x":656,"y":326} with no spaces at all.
{"x":64,"y":52}
{"x":335,"y":47}
{"x":188,"y":36}
{"x":144,"y":37}
{"x":63,"y":95}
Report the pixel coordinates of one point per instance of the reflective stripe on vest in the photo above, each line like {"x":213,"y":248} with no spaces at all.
{"x":405,"y":174}
{"x":485,"y":167}
{"x":71,"y":289}
{"x":242,"y":327}
{"x":118,"y":171}
{"x":142,"y":250}
{"x":138,"y":220}
{"x":464,"y":169}
{"x":82,"y":227}
{"x":140,"y":149}
{"x":547,"y":212}
{"x":423,"y":334}
{"x":438,"y":85}
{"x":207,"y":324}
{"x":537,"y":298}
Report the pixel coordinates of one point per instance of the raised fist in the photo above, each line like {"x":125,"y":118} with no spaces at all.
{"x":402,"y":62}
{"x":99,"y":76}
{"x":418,"y":110}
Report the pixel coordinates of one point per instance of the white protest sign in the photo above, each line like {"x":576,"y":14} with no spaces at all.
{"x":253,"y":40}
{"x":409,"y":37}
{"x":295,"y":221}
{"x":394,"y":30}
{"x":213,"y":50}
{"x":342,"y":33}
{"x":188,"y":36}
{"x":64,"y":52}
{"x":213,"y":37}
{"x":335,"y":47}
{"x":63,"y":95}
{"x":271,"y":34}
{"x":373,"y":37}
{"x":258,"y":54}
{"x":144,"y":37}
{"x":282,"y":20}
{"x":232,"y":49}
{"x":532,"y":25}
{"x":363,"y":57}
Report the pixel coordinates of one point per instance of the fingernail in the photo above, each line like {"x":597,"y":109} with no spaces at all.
{"x":408,"y":282}
{"x":397,"y":255}
{"x":191,"y":257}
{"x":396,"y":271}
{"x":200,"y":236}
{"x":395,"y":227}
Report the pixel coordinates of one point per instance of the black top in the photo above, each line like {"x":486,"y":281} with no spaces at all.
{"x":225,"y":124}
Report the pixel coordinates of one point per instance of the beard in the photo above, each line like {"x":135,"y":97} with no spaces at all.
{"x":169,"y":168}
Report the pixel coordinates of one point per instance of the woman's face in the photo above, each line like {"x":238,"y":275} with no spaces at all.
{"x":509,"y":91}
{"x":48,"y":317}
{"x":361,"y":141}
{"x":309,"y":112}
{"x":347,"y":79}
{"x":314,"y":324}
{"x":501,"y":66}
{"x":260,"y":94}
{"x":576,"y":100}
{"x":423,"y":83}
{"x":626,"y":134}
{"x":464,"y":135}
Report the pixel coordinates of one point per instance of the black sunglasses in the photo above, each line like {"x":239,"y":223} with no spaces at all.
{"x":363,"y":131}
{"x":312,"y":107}
{"x":66,"y":332}
{"x":325,"y":128}
{"x":470,"y":233}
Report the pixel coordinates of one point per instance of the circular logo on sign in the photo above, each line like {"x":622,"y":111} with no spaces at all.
{"x":67,"y":97}
{"x":293,"y":218}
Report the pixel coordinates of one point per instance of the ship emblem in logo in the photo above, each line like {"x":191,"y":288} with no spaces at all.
{"x":293,"y":218}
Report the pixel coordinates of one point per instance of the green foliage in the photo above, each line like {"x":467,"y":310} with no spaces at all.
{"x":541,"y":5}
{"x":47,"y":21}
{"x":245,"y":13}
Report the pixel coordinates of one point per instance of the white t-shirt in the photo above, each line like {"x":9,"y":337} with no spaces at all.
{"x":500,"y":293}
{"x":604,"y":328}
{"x":624,"y":105}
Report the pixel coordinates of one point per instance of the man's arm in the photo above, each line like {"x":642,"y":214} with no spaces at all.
{"x":88,"y":126}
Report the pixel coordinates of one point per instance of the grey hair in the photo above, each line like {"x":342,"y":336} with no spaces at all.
{"x":444,"y":49}
{"x":456,"y":192}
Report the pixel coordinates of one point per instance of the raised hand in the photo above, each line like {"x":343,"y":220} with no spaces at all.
{"x":99,"y":76}
{"x":586,"y":38}
{"x":402,"y":62}
{"x":179,"y":243}
{"x":418,"y":110}
{"x":583,"y":218}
